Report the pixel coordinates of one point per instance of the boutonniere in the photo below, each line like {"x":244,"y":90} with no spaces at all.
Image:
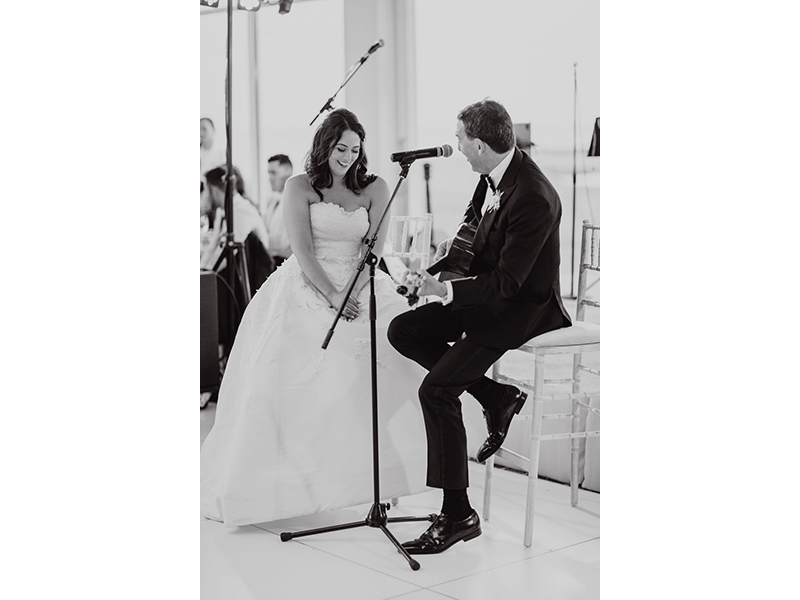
{"x":494,"y":204}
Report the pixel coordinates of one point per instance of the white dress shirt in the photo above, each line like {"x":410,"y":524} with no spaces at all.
{"x":246,"y":220}
{"x":212,"y":157}
{"x":273,"y":219}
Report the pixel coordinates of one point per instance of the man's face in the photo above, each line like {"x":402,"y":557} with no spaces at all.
{"x":278,"y":174}
{"x":469,"y":148}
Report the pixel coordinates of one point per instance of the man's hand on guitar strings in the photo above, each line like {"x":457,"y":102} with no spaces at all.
{"x":425,"y":284}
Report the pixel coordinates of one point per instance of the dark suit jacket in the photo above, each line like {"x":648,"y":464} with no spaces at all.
{"x":512,"y":293}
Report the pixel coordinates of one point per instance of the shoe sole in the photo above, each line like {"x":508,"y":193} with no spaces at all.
{"x":466,"y":538}
{"x":471,"y":536}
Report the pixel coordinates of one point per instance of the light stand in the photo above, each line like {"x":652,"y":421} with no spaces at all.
{"x":233,"y":252}
{"x":377,"y":514}
{"x":574,"y":178}
{"x":594,"y":150}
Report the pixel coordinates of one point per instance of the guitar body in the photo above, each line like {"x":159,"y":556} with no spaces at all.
{"x":456,"y":262}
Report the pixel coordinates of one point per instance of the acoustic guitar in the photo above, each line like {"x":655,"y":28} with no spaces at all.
{"x":454,"y":264}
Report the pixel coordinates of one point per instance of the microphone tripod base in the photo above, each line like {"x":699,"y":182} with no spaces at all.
{"x":375,"y":518}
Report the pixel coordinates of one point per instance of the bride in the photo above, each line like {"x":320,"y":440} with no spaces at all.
{"x":293,"y":428}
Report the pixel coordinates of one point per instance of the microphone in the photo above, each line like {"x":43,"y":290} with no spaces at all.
{"x":375,"y":46}
{"x":412,"y":155}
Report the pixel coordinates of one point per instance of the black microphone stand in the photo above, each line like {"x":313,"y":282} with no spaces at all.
{"x":377,"y":513}
{"x":348,"y":76}
{"x":233,"y":252}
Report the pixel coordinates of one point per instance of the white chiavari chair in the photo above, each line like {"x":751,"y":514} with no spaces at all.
{"x":581,"y":338}
{"x":408,"y":244}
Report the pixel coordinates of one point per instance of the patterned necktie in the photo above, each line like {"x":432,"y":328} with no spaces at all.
{"x":488,"y":180}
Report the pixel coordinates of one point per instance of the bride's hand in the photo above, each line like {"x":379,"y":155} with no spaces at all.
{"x":351,"y":309}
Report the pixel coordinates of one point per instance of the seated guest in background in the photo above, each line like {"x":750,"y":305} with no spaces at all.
{"x":279,"y":168}
{"x":246,"y":219}
{"x":210,"y":220}
{"x":211,"y":154}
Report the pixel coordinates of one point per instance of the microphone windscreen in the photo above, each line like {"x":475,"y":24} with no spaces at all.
{"x":447,"y":150}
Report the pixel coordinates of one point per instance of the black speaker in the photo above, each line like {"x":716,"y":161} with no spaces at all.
{"x":209,"y":333}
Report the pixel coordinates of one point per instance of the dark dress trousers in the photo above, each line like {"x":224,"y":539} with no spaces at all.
{"x":512,"y":294}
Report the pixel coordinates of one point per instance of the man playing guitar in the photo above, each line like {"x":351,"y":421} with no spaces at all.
{"x":508,"y":293}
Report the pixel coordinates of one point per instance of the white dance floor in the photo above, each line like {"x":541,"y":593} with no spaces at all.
{"x":362,"y":564}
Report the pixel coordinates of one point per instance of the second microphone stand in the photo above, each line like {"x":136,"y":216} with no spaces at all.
{"x":377,"y":514}
{"x":348,"y":76}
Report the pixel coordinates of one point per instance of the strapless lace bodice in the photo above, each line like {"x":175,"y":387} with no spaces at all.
{"x":337,"y":234}
{"x":338,"y":239}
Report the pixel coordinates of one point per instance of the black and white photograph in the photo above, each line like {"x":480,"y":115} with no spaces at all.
{"x":399,"y":301}
{"x":402,"y":326}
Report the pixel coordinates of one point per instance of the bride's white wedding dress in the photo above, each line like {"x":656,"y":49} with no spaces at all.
{"x":293,"y":428}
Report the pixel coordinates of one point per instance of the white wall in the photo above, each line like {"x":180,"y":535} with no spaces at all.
{"x":301,"y":65}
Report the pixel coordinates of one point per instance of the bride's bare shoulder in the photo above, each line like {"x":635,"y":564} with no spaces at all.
{"x":378,"y":192}
{"x":299,"y":182}
{"x":299,"y":186}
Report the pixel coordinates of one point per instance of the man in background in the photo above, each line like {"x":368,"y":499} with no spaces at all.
{"x":279,"y":169}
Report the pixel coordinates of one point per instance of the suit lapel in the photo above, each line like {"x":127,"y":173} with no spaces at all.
{"x":506,"y":187}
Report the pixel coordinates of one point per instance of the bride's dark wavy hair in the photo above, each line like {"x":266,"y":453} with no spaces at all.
{"x":326,"y":137}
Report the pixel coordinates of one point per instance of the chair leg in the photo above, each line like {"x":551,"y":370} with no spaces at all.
{"x":536,"y":435}
{"x":575,"y":442}
{"x":487,"y":487}
{"x":489,"y":465}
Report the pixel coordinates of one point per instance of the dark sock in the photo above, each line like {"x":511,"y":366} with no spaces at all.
{"x":491,"y":395}
{"x":456,"y":505}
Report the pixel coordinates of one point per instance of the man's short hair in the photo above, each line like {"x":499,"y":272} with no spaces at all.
{"x":281,"y":159}
{"x":489,"y":121}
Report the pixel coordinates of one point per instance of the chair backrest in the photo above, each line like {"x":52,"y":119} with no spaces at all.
{"x":590,"y":263}
{"x":260,"y":264}
{"x":409,"y":240}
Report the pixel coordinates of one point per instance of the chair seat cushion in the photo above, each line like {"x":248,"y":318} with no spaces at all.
{"x":579,"y":333}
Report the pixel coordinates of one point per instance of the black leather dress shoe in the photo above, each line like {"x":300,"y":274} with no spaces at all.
{"x":499,"y":419}
{"x":443,"y":533}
